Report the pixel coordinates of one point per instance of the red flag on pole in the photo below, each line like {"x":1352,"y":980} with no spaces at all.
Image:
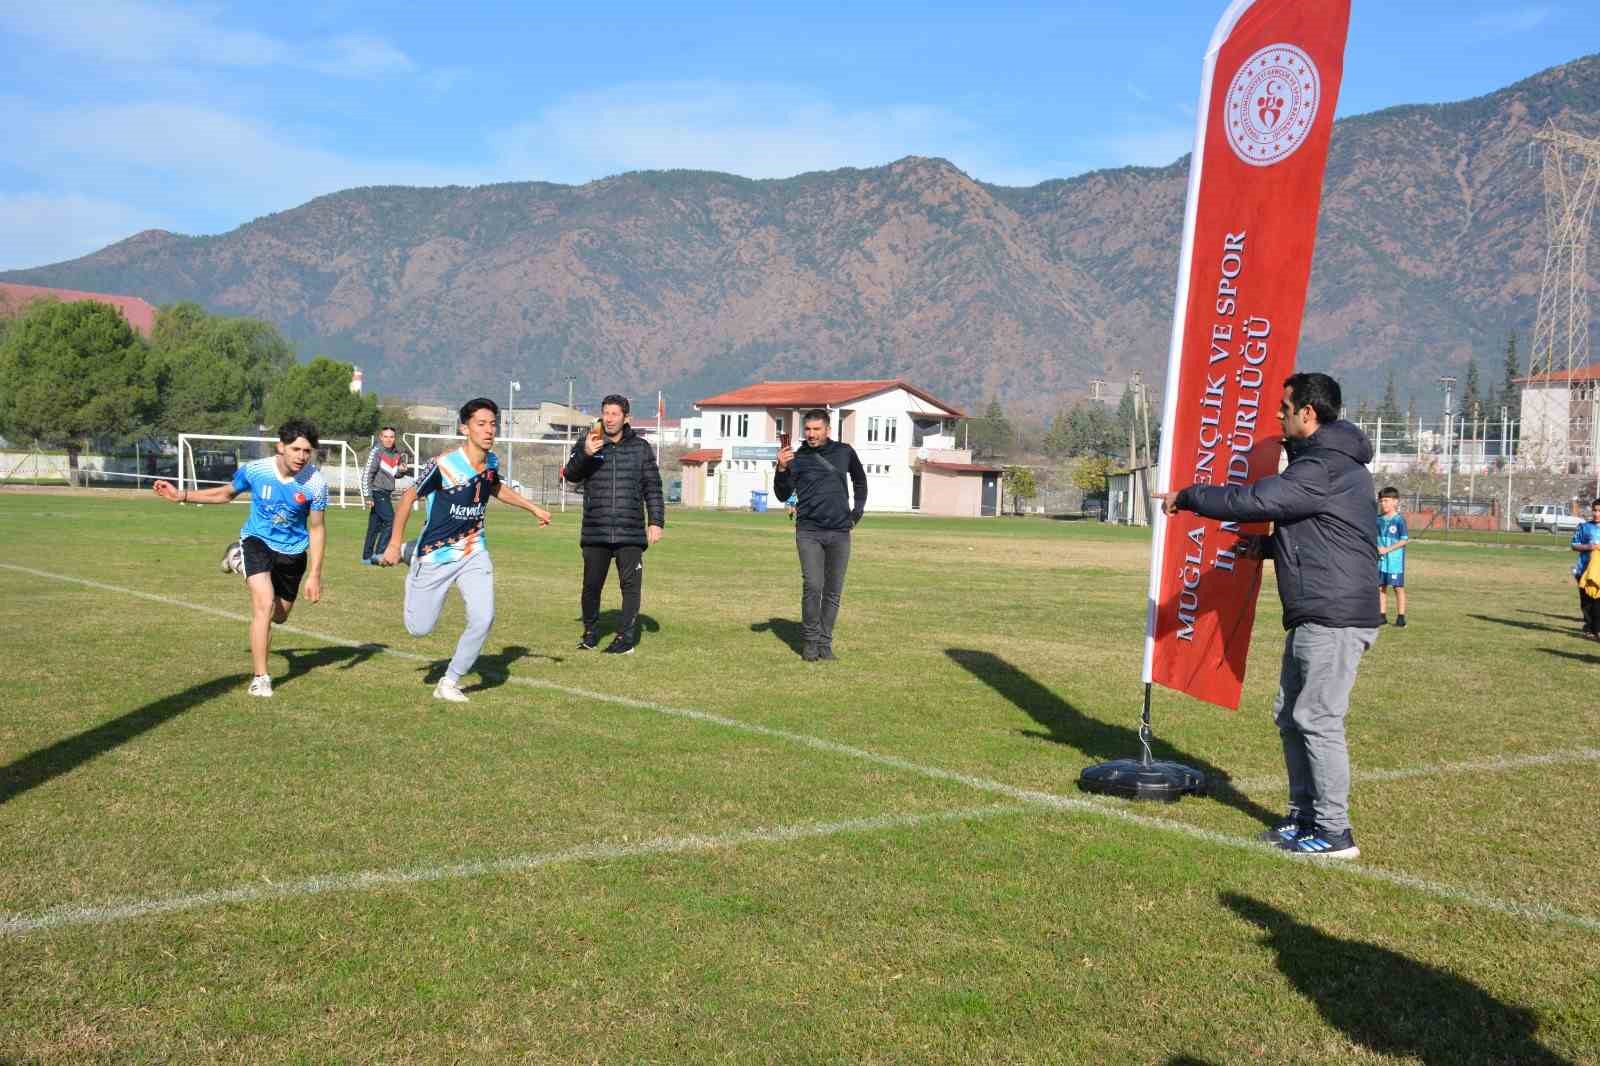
{"x":1268,"y":89}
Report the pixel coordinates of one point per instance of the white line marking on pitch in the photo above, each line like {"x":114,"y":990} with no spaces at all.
{"x":74,"y":914}
{"x":1103,"y":808}
{"x":1493,"y":764}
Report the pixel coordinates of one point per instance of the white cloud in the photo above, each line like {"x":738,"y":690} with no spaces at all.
{"x":753,"y":130}
{"x":143,"y":33}
{"x":39,"y":229}
{"x":1156,"y":146}
{"x":181,"y":155}
{"x":356,"y":55}
{"x":1515,"y":20}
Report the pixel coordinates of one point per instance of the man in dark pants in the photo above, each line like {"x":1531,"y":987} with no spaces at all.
{"x":384,"y":464}
{"x":622,"y":516}
{"x":816,"y":474}
{"x":1324,"y":547}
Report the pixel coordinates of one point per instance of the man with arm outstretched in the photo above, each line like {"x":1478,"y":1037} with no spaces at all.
{"x":452,"y":550}
{"x":283,"y":537}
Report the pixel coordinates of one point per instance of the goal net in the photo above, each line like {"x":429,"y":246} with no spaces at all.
{"x":532,"y":467}
{"x":204,"y":460}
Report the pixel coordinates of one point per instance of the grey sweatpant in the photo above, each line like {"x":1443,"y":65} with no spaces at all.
{"x":426,"y":585}
{"x":1319,"y":669}
{"x":824,"y":557}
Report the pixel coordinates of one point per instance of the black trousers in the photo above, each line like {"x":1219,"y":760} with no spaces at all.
{"x":630,"y":572}
{"x":824,"y":557}
{"x":380,"y":521}
{"x":1591,"y":612}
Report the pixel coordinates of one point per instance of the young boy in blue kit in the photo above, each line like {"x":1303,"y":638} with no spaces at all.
{"x":283,"y":537}
{"x":1392,"y":535}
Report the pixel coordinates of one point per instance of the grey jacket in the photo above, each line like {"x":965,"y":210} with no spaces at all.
{"x":1325,"y":538}
{"x":379,"y":473}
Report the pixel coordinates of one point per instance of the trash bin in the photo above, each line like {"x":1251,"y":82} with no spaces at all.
{"x":758,"y":500}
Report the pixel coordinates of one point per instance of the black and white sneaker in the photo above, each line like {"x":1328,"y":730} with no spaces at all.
{"x":589,"y":641}
{"x":620,"y":646}
{"x":1324,"y":845}
{"x":233,"y":559}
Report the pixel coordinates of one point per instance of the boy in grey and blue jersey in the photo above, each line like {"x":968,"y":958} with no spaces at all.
{"x":452,"y":550}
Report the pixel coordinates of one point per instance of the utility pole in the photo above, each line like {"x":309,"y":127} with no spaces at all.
{"x":570,"y":380}
{"x":1449,"y":384}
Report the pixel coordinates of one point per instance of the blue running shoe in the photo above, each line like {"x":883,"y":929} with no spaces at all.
{"x":1286,"y":830}
{"x":1323,"y":845}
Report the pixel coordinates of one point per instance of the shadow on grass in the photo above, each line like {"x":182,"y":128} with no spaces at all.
{"x":787,"y":630}
{"x":1393,"y":1005}
{"x":1096,"y":739}
{"x":1536,"y":627}
{"x":1587,"y":658}
{"x":64,"y":756}
{"x":1572,"y":618}
{"x":492,"y":670}
{"x":611,"y":621}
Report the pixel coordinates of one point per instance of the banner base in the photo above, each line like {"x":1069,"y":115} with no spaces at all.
{"x":1138,"y":779}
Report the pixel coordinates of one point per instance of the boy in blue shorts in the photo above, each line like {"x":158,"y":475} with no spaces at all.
{"x":1391,"y":553}
{"x":452,"y":549}
{"x":282,"y":539}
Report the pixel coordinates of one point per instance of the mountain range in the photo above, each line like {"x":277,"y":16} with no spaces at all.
{"x":1430,"y":245}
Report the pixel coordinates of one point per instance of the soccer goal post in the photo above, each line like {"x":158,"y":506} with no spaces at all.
{"x":531,"y":466}
{"x":208,"y":459}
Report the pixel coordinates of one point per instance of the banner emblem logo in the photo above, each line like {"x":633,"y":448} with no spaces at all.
{"x":1271,"y":104}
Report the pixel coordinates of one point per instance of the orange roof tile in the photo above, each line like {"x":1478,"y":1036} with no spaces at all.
{"x":704,"y":455}
{"x":818,"y":394}
{"x":1582,"y":373}
{"x":140,"y":315}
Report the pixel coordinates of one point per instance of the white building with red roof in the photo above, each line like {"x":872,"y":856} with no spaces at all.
{"x":1557,"y":420}
{"x":905,"y":438}
{"x":14,"y":300}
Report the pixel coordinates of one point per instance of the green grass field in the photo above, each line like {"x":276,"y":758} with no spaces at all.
{"x":712,"y":850}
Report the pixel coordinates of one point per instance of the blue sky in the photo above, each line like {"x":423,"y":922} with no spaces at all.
{"x":121,"y":115}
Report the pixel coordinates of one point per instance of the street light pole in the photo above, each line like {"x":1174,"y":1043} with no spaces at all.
{"x":511,"y":405}
{"x":1449,"y":384}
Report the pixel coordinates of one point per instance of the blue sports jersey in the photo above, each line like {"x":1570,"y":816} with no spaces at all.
{"x":1392,"y":530}
{"x":457,"y":494}
{"x":1588,"y":533}
{"x":279,"y":505}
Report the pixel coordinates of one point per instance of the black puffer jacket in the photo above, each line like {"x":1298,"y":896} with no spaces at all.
{"x":621,"y":488}
{"x":817,"y":478}
{"x":1325,"y":541}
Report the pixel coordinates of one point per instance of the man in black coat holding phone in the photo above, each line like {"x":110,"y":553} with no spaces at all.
{"x":623,"y":514}
{"x":817,"y":473}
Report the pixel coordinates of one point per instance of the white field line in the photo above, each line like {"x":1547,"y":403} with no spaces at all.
{"x":75,"y":914}
{"x":1100,"y":807}
{"x":1495,"y":764}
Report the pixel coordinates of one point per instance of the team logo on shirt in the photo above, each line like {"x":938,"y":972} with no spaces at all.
{"x":299,"y":497}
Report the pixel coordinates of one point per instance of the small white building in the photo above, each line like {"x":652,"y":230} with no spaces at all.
{"x":1557,"y":420}
{"x":895,"y":428}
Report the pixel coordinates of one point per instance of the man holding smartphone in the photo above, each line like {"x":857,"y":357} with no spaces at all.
{"x":822,"y":475}
{"x":623,"y":514}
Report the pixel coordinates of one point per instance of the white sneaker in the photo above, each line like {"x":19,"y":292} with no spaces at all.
{"x":261,"y":685}
{"x":449,"y":690}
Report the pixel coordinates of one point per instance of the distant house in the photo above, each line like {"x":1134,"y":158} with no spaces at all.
{"x":1557,"y":420}
{"x":14,"y":300}
{"x":904,"y":436}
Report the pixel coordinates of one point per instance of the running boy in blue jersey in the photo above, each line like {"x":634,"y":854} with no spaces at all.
{"x":282,"y":539}
{"x":452,"y":550}
{"x":1392,"y":537}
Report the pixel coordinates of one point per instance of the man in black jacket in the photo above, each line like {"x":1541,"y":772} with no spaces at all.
{"x":1324,"y":547}
{"x":622,"y":516}
{"x":816,"y":474}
